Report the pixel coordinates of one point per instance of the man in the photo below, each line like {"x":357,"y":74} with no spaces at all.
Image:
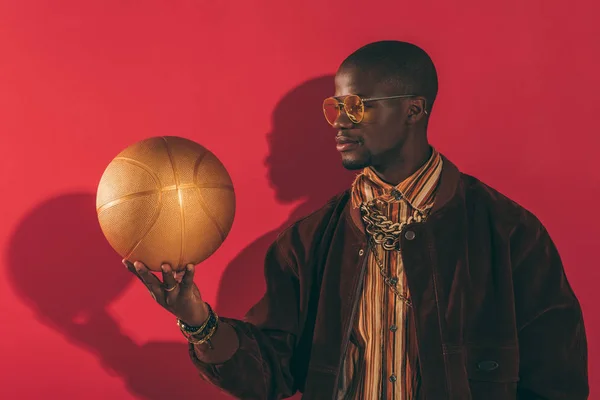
{"x":419,"y":282}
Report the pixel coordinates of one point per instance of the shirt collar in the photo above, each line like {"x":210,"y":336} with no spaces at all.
{"x":418,"y":189}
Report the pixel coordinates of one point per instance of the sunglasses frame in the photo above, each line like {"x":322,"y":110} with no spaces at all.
{"x":362,"y":104}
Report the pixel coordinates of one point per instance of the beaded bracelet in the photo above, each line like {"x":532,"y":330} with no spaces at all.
{"x":194,"y":330}
{"x":206,"y":339}
{"x":202,"y":334}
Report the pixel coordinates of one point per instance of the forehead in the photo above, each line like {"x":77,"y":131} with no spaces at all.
{"x":353,"y":80}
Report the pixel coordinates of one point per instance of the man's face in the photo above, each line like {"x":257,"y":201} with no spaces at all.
{"x":380,"y":136}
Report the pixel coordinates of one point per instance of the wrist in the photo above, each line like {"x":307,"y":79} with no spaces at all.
{"x":201,"y":334}
{"x":199,"y":317}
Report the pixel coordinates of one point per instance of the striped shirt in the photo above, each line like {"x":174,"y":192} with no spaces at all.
{"x":381,"y":361}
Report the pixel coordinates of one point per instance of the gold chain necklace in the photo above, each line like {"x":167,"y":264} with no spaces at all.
{"x":386,"y":233}
{"x":382,"y":230}
{"x":390,"y":282}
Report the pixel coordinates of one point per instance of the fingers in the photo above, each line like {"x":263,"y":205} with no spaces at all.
{"x":131,"y":268}
{"x":170,"y":285}
{"x":168,"y":276}
{"x":165,"y":292}
{"x":188,"y":276}
{"x":148,"y":279}
{"x":145,"y":275}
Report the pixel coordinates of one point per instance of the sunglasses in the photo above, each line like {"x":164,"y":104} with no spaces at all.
{"x":353,"y":105}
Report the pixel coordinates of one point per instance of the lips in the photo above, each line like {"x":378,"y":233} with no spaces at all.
{"x":345,"y":143}
{"x":345,"y":140}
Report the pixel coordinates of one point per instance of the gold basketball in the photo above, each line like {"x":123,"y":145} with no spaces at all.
{"x":165,"y":200}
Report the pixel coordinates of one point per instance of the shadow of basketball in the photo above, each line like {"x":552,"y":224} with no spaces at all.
{"x":54,"y":261}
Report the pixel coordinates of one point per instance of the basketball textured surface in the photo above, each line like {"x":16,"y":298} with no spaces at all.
{"x":165,"y":200}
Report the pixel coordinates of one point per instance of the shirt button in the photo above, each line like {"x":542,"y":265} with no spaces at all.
{"x":361,"y":252}
{"x":393,"y":328}
{"x":410,"y":235}
{"x":488,"y":365}
{"x":392,"y":378}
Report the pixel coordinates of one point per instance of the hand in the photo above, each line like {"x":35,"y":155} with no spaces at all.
{"x":177,"y":292}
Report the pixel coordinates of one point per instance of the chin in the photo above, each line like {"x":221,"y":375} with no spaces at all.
{"x":353,"y":164}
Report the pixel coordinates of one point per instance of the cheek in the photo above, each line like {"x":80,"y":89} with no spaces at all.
{"x":376,"y":141}
{"x":382,"y":130}
{"x":383,"y":118}
{"x":372,"y":116}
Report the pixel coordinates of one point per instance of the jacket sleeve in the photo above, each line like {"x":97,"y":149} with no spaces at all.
{"x":260,"y":368}
{"x":552,"y":338}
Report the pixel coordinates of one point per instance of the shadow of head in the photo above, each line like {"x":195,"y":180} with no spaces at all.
{"x":303,"y":165}
{"x":302,"y":160}
{"x":61,"y":265}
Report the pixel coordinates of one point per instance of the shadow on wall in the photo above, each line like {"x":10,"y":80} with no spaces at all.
{"x":59,"y":248}
{"x":62,"y":282}
{"x":303,"y":165}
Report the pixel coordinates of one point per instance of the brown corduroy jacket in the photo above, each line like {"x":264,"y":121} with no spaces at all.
{"x":494,"y":315}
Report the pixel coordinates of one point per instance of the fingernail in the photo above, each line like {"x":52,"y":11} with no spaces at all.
{"x":189,"y":267}
{"x":137,"y":265}
{"x":164,"y":267}
{"x":124,"y":263}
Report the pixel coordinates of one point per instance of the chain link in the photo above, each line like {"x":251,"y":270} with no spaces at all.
{"x":382,"y":230}
{"x":386,"y":279}
{"x":386,"y":233}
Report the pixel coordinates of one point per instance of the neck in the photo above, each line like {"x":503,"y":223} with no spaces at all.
{"x":403,"y":165}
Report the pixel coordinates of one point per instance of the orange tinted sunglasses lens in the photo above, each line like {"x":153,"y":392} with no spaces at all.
{"x":353,"y":106}
{"x":331,"y":108}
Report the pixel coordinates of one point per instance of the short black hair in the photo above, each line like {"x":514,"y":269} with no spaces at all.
{"x":402,"y":63}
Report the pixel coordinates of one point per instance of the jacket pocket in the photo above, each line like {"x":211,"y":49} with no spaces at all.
{"x":492,"y":363}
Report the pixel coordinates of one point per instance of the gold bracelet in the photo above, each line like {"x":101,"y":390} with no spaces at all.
{"x":211,"y":323}
{"x":201,"y":328}
{"x":207,"y":338}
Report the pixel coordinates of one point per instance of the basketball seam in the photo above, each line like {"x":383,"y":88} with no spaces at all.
{"x":144,"y":167}
{"x":180,"y":199}
{"x":203,"y":205}
{"x":215,"y":186}
{"x":149,"y":227}
{"x":124,"y":199}
{"x":197,"y":165}
{"x":158,"y":207}
{"x":210,"y":215}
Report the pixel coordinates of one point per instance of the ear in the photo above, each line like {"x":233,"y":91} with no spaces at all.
{"x":417,"y":109}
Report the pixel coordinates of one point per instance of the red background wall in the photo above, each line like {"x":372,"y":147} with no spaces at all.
{"x":79,"y":81}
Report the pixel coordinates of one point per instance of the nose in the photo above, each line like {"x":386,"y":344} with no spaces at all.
{"x":342,"y":121}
